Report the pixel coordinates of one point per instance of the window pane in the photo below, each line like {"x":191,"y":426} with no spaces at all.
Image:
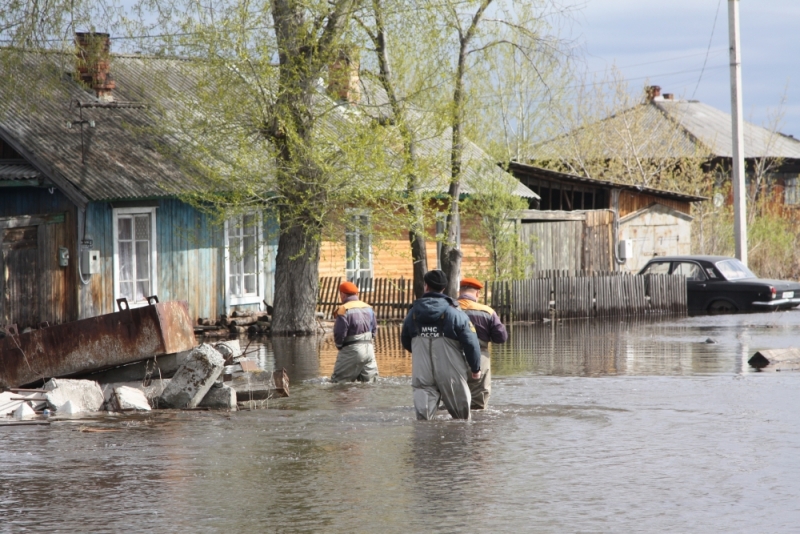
{"x":234,"y":228}
{"x":235,"y":286}
{"x":143,"y":227}
{"x":124,"y":228}
{"x":142,"y":290}
{"x":125,"y":261}
{"x":126,"y":290}
{"x":250,"y":284}
{"x":249,"y":251}
{"x":143,"y":260}
{"x":364,"y":250}
{"x":249,"y":224}
{"x":657,"y":268}
{"x":352,"y":251}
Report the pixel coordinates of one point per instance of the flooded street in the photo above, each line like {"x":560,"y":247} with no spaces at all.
{"x":593,"y":426}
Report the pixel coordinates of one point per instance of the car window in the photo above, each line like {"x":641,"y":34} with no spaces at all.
{"x":690,"y":270}
{"x":733,"y":269}
{"x":657,"y":267}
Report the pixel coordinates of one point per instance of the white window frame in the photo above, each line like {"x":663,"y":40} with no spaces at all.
{"x":260,"y":296}
{"x":356,"y":231}
{"x":153,"y":251}
{"x":441,"y":221}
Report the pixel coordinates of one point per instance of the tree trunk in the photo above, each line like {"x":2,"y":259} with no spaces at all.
{"x":296,"y":282}
{"x":420,"y":258}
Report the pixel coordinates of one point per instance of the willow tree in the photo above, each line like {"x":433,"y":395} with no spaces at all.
{"x":477,"y":31}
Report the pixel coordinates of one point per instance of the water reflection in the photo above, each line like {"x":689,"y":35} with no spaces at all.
{"x":684,"y":346}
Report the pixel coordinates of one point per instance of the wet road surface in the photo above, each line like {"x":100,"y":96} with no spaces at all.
{"x":593,"y":426}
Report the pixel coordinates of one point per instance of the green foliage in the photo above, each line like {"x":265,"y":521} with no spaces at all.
{"x":497,"y":208}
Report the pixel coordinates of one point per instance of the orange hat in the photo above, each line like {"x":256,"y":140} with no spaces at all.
{"x":471,"y":282}
{"x":348,"y":288}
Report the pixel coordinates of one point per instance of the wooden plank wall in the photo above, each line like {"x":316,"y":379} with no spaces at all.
{"x":554,"y":244}
{"x":55,"y":290}
{"x":598,"y":241}
{"x":630,"y":202}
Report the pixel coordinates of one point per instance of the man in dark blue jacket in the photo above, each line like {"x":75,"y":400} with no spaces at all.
{"x":444,"y":351}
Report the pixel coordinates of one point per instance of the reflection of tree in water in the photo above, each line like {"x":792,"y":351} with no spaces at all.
{"x":298,"y":355}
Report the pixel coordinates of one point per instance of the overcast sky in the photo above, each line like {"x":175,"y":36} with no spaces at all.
{"x":666,"y":42}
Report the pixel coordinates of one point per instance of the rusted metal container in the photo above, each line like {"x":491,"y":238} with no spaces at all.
{"x":95,"y":343}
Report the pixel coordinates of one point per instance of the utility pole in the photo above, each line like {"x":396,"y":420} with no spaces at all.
{"x":737,"y":163}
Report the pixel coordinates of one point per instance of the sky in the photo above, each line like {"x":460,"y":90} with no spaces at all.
{"x":666,"y":43}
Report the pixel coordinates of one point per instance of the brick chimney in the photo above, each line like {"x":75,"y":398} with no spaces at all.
{"x":344,"y":83}
{"x":652,"y":92}
{"x":93,"y":51}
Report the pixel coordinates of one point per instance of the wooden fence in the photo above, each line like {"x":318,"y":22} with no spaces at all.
{"x":562,"y":297}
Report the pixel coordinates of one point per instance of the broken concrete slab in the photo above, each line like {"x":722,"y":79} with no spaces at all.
{"x":219,"y":398}
{"x":24,"y":411}
{"x":193,"y":379}
{"x":776,"y":358}
{"x":128,"y":398}
{"x":151,"y":391}
{"x":260,"y":385}
{"x":84,"y":395}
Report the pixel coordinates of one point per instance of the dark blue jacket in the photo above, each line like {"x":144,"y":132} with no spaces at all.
{"x":437,"y":309}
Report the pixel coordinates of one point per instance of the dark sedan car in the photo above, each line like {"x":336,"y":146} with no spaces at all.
{"x":717,"y":284}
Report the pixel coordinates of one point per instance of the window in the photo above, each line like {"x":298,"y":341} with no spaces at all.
{"x":791,"y":192}
{"x":659,"y":267}
{"x":135,"y":254}
{"x":243,"y":250}
{"x":441,"y":219}
{"x":358,"y":244}
{"x":690,"y":270}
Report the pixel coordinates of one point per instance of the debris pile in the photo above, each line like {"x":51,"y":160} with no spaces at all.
{"x":239,"y":322}
{"x":216,"y":377}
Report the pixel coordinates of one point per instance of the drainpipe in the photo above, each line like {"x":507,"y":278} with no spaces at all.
{"x":615,"y":211}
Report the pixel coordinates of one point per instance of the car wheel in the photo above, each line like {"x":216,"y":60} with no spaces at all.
{"x":721,"y":306}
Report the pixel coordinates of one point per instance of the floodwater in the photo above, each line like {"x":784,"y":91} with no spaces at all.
{"x":593,"y":426}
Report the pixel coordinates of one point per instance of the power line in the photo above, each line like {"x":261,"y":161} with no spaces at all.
{"x":710,"y":39}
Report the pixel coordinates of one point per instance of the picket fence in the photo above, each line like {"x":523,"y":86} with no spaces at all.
{"x":556,"y":296}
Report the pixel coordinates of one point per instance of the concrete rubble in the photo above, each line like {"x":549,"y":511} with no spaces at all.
{"x":83,"y":396}
{"x":220,"y":397}
{"x":127,"y":398}
{"x":200,"y":380}
{"x":193,"y":378}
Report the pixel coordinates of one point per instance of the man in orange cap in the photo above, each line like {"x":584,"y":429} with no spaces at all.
{"x":354,"y":332}
{"x":489,"y":328}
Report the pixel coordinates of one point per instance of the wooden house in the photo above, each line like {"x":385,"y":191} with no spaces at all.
{"x":91,"y":212}
{"x":665,"y":129}
{"x":580,"y":222}
{"x":357,"y":252}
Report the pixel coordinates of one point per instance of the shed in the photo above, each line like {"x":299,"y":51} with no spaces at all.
{"x":579,"y":221}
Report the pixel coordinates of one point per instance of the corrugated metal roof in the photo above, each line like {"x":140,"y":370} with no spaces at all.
{"x":712,"y":127}
{"x":119,"y":164}
{"x":18,"y":171}
{"x":121,"y":156}
{"x":648,"y":130}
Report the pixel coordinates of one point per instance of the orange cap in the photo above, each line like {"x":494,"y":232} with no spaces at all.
{"x":348,"y":288}
{"x":471,"y":282}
